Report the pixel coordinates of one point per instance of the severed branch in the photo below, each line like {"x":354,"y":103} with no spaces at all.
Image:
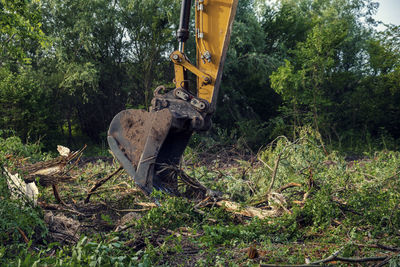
{"x":47,"y":206}
{"x":247,"y":211}
{"x":275,"y":169}
{"x":383,"y":259}
{"x":47,"y":180}
{"x":330,"y":258}
{"x":266,"y":165}
{"x":388,"y":248}
{"x":292,"y":265}
{"x":26,"y":240}
{"x":335,"y":257}
{"x":274,"y":172}
{"x":123,"y":190}
{"x":100,"y":183}
{"x":146,"y":206}
{"x":47,"y":173}
{"x":287,"y":186}
{"x":57,"y":194}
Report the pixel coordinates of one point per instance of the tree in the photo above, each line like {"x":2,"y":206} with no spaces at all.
{"x":19,"y":27}
{"x":378,"y":93}
{"x":24,"y":105}
{"x":323,"y":70}
{"x":106,"y":55}
{"x":245,"y":95}
{"x":150,"y":26}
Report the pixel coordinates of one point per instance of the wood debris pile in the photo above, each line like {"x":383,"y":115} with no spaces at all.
{"x":22,"y":178}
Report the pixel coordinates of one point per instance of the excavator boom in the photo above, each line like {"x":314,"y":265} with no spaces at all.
{"x":147,"y":142}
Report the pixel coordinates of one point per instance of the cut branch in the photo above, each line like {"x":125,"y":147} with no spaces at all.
{"x":47,"y":180}
{"x":361,"y":259}
{"x":287,"y":186}
{"x":100,"y":183}
{"x":335,"y":257}
{"x":247,"y":211}
{"x":274,"y":172}
{"x":26,"y":240}
{"x":384,"y":247}
{"x":57,"y":195}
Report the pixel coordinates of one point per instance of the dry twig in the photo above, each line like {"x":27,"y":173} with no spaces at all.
{"x":100,"y":183}
{"x":26,"y":240}
{"x":287,"y":186}
{"x":274,"y":172}
{"x":47,"y":206}
{"x":335,"y":257}
{"x":57,"y":194}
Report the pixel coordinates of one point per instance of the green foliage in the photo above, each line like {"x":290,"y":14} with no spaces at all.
{"x":347,"y":202}
{"x":84,"y":253}
{"x":325,"y":79}
{"x":299,"y":160}
{"x":245,"y":92}
{"x":101,"y":65}
{"x":320,"y":211}
{"x":19,"y":26}
{"x":13,"y":147}
{"x":172,"y":213}
{"x":26,"y":106}
{"x":357,"y":193}
{"x":305,"y":82}
{"x":230,"y":234}
{"x":290,"y":63}
{"x":382,"y":86}
{"x":17,"y":214}
{"x":377,"y":195}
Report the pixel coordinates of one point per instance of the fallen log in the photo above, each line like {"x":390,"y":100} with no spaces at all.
{"x":49,"y":180}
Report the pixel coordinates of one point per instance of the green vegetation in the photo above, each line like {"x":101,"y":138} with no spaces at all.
{"x":17,"y":214}
{"x":67,"y":68}
{"x":306,"y":127}
{"x":350,"y":206}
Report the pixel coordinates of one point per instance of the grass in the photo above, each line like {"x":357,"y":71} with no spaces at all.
{"x":337,"y":205}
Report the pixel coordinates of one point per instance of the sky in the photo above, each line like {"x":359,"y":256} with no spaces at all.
{"x":389,"y":11}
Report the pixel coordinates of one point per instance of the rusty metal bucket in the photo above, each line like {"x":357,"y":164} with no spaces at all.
{"x":144,"y":143}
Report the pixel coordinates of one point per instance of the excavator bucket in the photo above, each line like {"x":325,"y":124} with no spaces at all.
{"x":148,"y":143}
{"x":145,"y":143}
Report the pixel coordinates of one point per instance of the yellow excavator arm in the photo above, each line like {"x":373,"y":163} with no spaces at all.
{"x":213,"y":25}
{"x":148,"y":143}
